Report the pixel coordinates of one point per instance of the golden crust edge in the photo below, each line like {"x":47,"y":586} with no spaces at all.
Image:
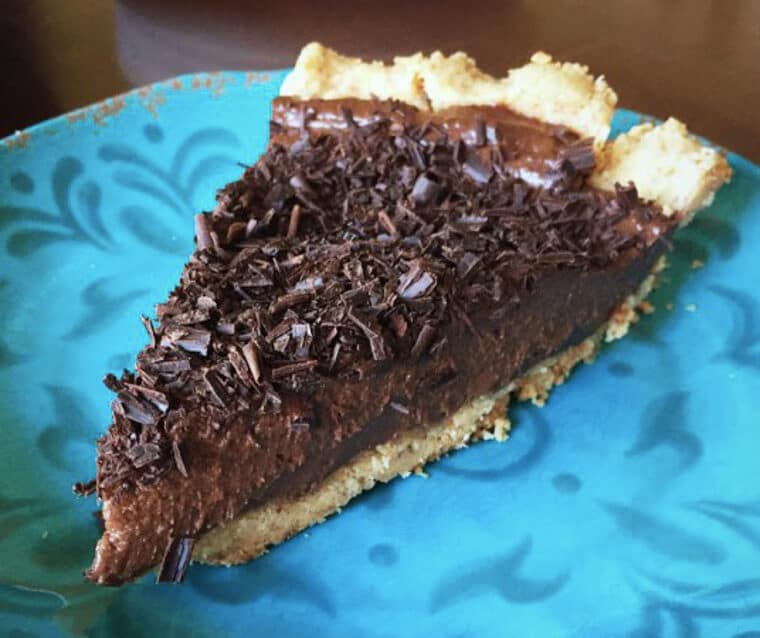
{"x":668,"y":166}
{"x":251,"y":533}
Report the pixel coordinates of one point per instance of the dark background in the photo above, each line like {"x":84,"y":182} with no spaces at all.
{"x":697,"y":60}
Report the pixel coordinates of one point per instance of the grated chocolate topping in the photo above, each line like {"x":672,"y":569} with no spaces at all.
{"x":176,"y":560}
{"x":341,"y":252}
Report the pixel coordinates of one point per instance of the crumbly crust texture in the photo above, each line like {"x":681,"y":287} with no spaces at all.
{"x":667,"y":165}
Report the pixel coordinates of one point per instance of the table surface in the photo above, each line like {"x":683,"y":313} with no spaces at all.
{"x":696,"y":60}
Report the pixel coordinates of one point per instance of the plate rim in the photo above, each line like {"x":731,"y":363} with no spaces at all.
{"x":212,"y":82}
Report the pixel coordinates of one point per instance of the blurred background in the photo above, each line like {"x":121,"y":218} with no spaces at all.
{"x":695,"y":59}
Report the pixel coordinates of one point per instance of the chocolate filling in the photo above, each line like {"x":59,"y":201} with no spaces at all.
{"x":378,"y":268}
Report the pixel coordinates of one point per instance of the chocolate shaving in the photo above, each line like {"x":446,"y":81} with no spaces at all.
{"x":416,"y":282}
{"x":271,"y":399}
{"x":399,"y":407}
{"x":139,"y":411}
{"x":425,"y":191}
{"x":295,"y":217}
{"x":475,"y":168}
{"x":289,"y":300}
{"x":197,"y":315}
{"x":466,"y":264}
{"x":480,"y":132}
{"x":334,"y":356}
{"x":158,"y":399}
{"x":143,"y":454}
{"x":252,"y":359}
{"x":424,"y":339}
{"x":300,"y":183}
{"x":176,"y":560}
{"x":375,"y":339}
{"x":387,"y":223}
{"x":202,"y":235}
{"x":189,"y":339}
{"x":205,"y":302}
{"x":235,"y":232}
{"x":348,"y":117}
{"x":215,"y":388}
{"x":310,"y":283}
{"x":84,"y":489}
{"x":240,"y":366}
{"x":399,"y":325}
{"x":178,"y":460}
{"x":171,"y":366}
{"x":293,"y":368}
{"x":226,"y":328}
{"x":150,"y":330}
{"x":581,"y":155}
{"x":627,"y":195}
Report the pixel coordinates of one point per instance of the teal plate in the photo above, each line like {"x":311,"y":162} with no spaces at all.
{"x":628,"y":506}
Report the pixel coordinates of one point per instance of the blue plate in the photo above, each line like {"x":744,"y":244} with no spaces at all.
{"x":628,"y":506}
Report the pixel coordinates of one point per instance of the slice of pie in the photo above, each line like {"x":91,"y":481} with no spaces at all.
{"x":419,"y":243}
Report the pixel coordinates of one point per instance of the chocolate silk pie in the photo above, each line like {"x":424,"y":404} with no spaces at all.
{"x":419,"y":243}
